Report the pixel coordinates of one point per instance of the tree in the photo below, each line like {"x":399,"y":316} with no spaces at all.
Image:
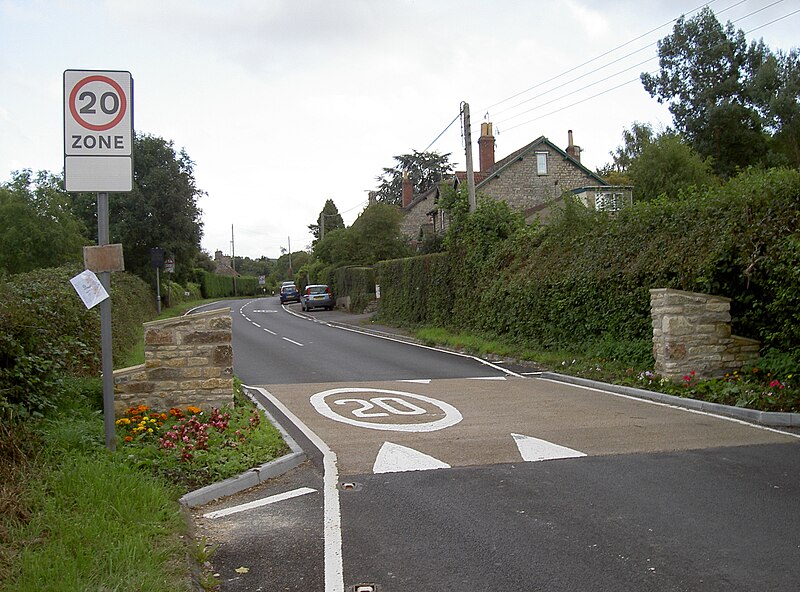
{"x":161,"y":211}
{"x":374,"y":236}
{"x":333,"y":220}
{"x":667,"y":165}
{"x":634,"y":141}
{"x":777,"y":85}
{"x":709,"y":76}
{"x":425,"y":169}
{"x":37,"y":227}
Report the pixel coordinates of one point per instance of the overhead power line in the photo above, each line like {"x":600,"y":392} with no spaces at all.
{"x":596,"y":70}
{"x":564,"y":85}
{"x":594,"y":59}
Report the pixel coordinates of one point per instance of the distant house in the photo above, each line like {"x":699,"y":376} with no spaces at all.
{"x":531,"y":180}
{"x":223,"y":265}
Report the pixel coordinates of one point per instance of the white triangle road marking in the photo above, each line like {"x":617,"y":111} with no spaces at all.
{"x":486,"y":378}
{"x":393,"y":458}
{"x":534,"y":449}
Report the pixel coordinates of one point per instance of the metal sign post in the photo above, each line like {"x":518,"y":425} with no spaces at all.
{"x":157,"y":260}
{"x":98,"y":156}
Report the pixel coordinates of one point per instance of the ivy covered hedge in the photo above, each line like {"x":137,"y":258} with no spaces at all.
{"x":46,"y":332}
{"x":356,"y":282}
{"x":585,"y":276}
{"x":222,"y":286}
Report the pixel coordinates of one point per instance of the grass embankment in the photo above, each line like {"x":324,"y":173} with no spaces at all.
{"x":772,"y":385}
{"x":74,"y":516}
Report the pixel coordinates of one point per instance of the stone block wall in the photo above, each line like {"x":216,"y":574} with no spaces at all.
{"x":188,"y":361}
{"x":692,"y":333}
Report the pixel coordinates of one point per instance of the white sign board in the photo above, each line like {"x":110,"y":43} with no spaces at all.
{"x":89,"y":288}
{"x":98,"y":130}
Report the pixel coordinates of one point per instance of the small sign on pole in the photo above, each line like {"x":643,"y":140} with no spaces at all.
{"x":89,"y":288}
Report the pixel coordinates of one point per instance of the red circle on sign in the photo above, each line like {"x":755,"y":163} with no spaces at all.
{"x":123,"y":104}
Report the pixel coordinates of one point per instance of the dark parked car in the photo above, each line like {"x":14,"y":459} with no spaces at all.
{"x":317,"y":296}
{"x":289,"y":293}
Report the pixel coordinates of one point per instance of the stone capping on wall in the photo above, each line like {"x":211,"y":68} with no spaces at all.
{"x":188,"y":361}
{"x":692,"y":333}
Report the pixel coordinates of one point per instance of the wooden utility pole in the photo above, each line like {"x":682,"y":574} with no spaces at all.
{"x":468,"y":147}
{"x":322,"y":225}
{"x":233,"y":261}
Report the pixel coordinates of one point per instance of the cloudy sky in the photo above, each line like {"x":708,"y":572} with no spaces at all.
{"x":283,"y":104}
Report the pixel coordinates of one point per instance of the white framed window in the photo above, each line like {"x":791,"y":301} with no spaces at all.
{"x":541,"y":163}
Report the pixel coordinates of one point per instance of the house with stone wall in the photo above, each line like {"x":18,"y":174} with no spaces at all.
{"x":532,"y":180}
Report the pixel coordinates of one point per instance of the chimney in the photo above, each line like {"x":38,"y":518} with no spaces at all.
{"x":408,"y":190}
{"x":573,"y":150}
{"x":373,"y":198}
{"x":486,"y":147}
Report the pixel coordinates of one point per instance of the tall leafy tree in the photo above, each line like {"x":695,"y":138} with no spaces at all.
{"x":374,"y":236}
{"x":777,"y":85}
{"x":709,"y":78}
{"x":37,"y":227}
{"x":161,"y":211}
{"x":667,"y":166}
{"x":425,"y":169}
{"x":332,"y":220}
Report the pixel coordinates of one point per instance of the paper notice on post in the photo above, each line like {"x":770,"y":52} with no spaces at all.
{"x":89,"y":288}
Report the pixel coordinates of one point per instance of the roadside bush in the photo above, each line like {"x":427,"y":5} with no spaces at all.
{"x":585,"y":275}
{"x":46,"y":333}
{"x":222,"y":286}
{"x":356,"y":282}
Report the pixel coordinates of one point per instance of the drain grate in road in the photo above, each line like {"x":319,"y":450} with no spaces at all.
{"x":350,"y":486}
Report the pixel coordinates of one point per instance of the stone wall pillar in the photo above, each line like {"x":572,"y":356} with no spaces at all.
{"x":692,"y":333}
{"x":188,"y":361}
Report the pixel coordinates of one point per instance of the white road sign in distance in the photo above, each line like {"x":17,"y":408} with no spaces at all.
{"x":98,"y":130}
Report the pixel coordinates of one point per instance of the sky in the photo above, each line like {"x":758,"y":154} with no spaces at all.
{"x":284,"y":104}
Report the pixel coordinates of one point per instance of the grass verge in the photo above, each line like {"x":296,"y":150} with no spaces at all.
{"x":74,"y":516}
{"x":770,"y":386}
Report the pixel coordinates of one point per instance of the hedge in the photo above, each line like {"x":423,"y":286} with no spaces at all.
{"x":222,"y":286}
{"x":586,"y":275}
{"x":47,"y":332}
{"x":356,"y":282}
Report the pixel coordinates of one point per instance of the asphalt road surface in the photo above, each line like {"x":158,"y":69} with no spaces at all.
{"x":431,"y":471}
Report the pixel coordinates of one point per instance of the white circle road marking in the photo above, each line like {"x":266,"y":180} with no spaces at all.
{"x":452,"y":416}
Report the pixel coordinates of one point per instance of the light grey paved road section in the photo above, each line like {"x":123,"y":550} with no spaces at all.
{"x":583,"y":419}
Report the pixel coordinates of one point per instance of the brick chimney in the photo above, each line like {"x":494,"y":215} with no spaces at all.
{"x":408,"y":190}
{"x":573,"y":150}
{"x":486,"y":147}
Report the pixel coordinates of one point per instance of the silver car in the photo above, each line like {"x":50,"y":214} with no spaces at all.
{"x":317,"y":296}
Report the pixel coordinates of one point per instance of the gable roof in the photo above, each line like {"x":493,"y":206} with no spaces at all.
{"x":517,"y":155}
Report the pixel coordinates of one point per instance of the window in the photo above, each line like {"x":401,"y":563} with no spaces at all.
{"x":541,"y":163}
{"x":610,"y":201}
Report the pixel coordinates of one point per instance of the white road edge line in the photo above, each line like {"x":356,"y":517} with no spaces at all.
{"x":273,"y":499}
{"x":659,"y":403}
{"x":444,"y":351}
{"x":334,"y":571}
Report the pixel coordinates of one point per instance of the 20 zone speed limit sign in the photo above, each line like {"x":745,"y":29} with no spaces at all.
{"x":98,"y":130}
